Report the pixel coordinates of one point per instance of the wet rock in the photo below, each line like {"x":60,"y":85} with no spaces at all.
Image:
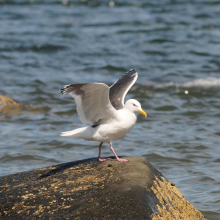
{"x":9,"y":106}
{"x":89,"y":189}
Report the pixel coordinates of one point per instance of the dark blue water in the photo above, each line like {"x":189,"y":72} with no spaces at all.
{"x":174,"y":46}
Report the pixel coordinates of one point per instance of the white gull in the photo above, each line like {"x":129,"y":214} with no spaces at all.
{"x":103,"y":108}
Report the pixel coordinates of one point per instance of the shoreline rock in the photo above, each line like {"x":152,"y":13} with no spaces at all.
{"x":9,"y":106}
{"x":89,"y":189}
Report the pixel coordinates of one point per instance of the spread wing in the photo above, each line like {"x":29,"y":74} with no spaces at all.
{"x":92,"y":101}
{"x":120,"y":88}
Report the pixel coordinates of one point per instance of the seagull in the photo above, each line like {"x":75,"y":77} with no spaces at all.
{"x":103,"y":109}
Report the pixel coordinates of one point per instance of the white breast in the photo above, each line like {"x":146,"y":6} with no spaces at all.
{"x":117,"y":128}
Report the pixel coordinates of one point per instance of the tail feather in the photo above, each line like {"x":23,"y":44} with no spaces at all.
{"x":74,"y":133}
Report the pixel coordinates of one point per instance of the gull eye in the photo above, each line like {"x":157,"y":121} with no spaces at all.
{"x":134,"y":105}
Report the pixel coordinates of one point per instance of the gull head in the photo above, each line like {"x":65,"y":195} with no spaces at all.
{"x":135,"y":106}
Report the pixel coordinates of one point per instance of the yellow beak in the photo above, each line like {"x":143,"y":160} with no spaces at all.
{"x":143,"y":112}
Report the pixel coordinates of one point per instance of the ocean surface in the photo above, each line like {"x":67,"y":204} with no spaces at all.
{"x":174,"y":45}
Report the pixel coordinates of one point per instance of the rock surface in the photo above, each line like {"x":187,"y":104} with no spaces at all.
{"x":9,"y":106}
{"x":89,"y":189}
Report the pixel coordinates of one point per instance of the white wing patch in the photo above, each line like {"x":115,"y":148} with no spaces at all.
{"x":92,"y":101}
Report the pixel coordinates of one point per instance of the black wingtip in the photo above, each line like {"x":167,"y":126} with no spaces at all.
{"x":131,"y":71}
{"x":63,"y":90}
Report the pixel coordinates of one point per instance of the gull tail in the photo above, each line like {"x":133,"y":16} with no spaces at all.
{"x":74,"y":133}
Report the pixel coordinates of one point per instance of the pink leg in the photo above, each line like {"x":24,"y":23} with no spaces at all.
{"x":102,"y":159}
{"x":118,"y":159}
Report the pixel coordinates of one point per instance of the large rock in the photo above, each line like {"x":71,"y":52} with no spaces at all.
{"x":89,"y":189}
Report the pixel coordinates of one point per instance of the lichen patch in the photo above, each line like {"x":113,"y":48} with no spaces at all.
{"x":173,"y":205}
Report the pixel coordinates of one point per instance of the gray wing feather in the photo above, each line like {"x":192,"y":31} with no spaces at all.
{"x":120,"y":88}
{"x":92,"y":101}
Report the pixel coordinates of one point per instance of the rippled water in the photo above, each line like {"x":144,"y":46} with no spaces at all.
{"x":175,"y":47}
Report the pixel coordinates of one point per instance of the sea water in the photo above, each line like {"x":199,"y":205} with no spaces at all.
{"x":173,"y":45}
